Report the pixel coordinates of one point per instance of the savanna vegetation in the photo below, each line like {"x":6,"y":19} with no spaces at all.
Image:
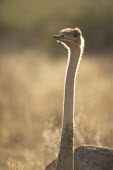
{"x":32,"y":23}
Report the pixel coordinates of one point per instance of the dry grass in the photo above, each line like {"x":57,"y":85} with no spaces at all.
{"x":31,"y":89}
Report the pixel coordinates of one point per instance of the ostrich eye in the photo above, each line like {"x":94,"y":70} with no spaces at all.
{"x":76,"y":34}
{"x":62,"y":35}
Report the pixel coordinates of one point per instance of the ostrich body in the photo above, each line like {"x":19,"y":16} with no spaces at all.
{"x":83,"y":157}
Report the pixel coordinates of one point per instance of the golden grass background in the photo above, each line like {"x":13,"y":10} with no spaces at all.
{"x":32,"y":81}
{"x":31,"y":94}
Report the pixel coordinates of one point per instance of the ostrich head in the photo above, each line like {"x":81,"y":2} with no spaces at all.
{"x":70,"y":37}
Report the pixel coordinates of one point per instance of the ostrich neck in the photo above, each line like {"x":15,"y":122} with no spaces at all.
{"x":66,"y":153}
{"x":73,"y":59}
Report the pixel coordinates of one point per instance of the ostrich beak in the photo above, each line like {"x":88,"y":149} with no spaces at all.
{"x":57,"y":37}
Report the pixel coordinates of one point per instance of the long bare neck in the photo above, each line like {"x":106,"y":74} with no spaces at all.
{"x":66,"y":153}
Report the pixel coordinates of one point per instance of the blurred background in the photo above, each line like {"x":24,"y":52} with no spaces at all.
{"x":32,"y":69}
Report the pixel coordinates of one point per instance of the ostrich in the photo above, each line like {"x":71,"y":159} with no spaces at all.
{"x":83,"y":157}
